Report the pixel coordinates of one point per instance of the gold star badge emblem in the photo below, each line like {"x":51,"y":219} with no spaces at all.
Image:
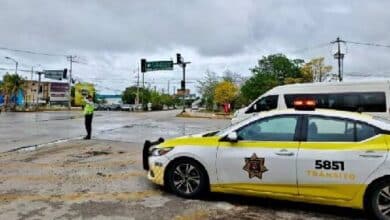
{"x":255,"y":166}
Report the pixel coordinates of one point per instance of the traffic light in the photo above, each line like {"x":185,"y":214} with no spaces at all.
{"x":179,"y":59}
{"x":64,"y":75}
{"x":143,"y":65}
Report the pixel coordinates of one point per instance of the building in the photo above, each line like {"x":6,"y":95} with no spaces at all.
{"x":34,"y":95}
{"x":58,"y":93}
{"x":48,"y":93}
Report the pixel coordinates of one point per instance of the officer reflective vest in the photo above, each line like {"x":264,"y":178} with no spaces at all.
{"x":88,"y":108}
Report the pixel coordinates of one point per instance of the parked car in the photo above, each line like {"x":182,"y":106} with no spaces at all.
{"x":114,"y":107}
{"x":125,"y":107}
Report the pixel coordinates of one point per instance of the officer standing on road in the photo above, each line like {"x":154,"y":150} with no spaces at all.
{"x":88,"y":113}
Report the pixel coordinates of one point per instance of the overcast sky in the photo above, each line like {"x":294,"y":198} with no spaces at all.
{"x":110,"y":36}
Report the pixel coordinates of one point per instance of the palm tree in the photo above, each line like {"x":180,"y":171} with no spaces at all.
{"x":11,"y":85}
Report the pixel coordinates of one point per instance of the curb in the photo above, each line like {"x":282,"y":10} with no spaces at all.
{"x":211,"y":116}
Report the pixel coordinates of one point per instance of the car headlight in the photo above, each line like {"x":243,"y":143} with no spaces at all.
{"x":161,"y":151}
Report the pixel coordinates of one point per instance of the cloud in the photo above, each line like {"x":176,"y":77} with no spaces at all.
{"x":113,"y":35}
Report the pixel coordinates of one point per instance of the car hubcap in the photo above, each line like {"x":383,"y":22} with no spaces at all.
{"x":186,"y":178}
{"x":383,"y":201}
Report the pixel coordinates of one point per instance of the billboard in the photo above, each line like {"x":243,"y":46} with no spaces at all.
{"x":58,"y":92}
{"x":83,"y":90}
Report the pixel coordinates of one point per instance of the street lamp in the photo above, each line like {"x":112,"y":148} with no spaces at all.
{"x":16,"y":62}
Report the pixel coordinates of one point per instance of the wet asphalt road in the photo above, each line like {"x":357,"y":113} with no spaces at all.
{"x":75,"y":180}
{"x":27,"y":129}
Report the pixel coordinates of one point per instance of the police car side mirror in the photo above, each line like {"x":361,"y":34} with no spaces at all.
{"x":231,"y":137}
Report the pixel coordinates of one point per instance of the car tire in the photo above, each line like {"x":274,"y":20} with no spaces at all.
{"x":187,"y":178}
{"x":377,"y":200}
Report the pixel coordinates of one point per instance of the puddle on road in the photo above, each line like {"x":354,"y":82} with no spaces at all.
{"x":97,"y":153}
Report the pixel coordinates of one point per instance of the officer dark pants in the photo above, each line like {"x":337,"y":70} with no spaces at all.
{"x":88,"y":125}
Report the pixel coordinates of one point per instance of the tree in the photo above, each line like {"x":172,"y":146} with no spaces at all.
{"x":272,"y":70}
{"x":233,"y":77}
{"x":156,"y":100}
{"x":279,"y":67}
{"x":256,"y":86}
{"x":167,"y":100}
{"x":206,"y":88}
{"x":316,"y":69}
{"x":225,"y":92}
{"x":12,"y":83}
{"x":130,"y":94}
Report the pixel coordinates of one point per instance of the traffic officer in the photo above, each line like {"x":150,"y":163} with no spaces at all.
{"x":88,"y":113}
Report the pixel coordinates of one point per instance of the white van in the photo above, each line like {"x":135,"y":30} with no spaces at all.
{"x":368,"y":97}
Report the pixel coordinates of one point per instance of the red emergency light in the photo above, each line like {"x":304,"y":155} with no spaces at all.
{"x":304,"y":104}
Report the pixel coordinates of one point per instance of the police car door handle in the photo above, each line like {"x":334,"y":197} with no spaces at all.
{"x":284,"y":152}
{"x":370,"y":154}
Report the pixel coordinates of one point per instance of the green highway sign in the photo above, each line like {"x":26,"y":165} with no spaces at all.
{"x":55,"y":74}
{"x":159,"y":65}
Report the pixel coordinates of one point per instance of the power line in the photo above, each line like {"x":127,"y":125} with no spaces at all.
{"x":32,"y":52}
{"x":368,"y":44}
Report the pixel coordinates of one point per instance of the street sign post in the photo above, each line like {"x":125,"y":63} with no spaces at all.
{"x":159,"y":65}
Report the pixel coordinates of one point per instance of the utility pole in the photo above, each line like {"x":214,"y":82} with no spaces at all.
{"x":71,"y":61}
{"x":168,"y":88}
{"x":39,"y":88}
{"x":339,"y":56}
{"x":137,"y":98}
{"x":143,"y":88}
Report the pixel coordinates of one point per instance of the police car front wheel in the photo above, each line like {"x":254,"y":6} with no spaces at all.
{"x":378,"y":203}
{"x":186,"y":178}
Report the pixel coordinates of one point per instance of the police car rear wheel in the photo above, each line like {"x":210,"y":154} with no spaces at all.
{"x":186,"y":178}
{"x":379,"y":200}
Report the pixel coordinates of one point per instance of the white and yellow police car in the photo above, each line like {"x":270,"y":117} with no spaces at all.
{"x":302,"y":154}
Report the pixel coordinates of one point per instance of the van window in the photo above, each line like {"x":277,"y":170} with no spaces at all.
{"x":359,"y":101}
{"x":264,"y":104}
{"x":373,"y":102}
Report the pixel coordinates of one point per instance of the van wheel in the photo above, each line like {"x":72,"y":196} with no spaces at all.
{"x":378,"y":200}
{"x":186,"y":178}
